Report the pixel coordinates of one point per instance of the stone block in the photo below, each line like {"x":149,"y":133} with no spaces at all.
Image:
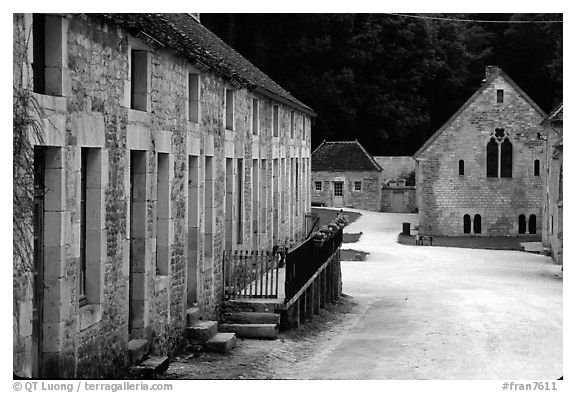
{"x":257,"y":330}
{"x":202,"y":331}
{"x":221,"y":343}
{"x":251,"y":317}
{"x":137,"y":349}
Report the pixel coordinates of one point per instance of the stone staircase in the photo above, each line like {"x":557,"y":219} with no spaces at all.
{"x":247,"y":321}
{"x":204,"y":335}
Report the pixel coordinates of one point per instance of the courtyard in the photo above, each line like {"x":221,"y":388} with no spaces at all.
{"x":416,"y":313}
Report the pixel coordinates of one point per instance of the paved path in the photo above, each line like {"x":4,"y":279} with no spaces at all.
{"x":442,"y":313}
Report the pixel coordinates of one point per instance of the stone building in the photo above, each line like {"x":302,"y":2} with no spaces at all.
{"x":160,"y":148}
{"x":480,"y":173}
{"x":398,"y":189}
{"x":552,"y":211}
{"x":344,"y":174}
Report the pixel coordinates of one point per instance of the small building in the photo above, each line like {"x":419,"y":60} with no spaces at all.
{"x":344,"y":174}
{"x":157,"y":148}
{"x":480,"y":173}
{"x":552,"y":220}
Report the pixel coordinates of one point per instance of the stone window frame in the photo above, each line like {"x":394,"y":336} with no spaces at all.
{"x":276,"y":121}
{"x":532,"y":224}
{"x":536,"y":167}
{"x":467,"y":224}
{"x":255,"y":125}
{"x":461,"y":168}
{"x":229,"y":109}
{"x":193,"y":94}
{"x":303,"y":127}
{"x":134,"y":44}
{"x":522,"y":225}
{"x":477,"y":224}
{"x":164,"y":221}
{"x":56,"y":81}
{"x":316,"y":184}
{"x":357,"y":187}
{"x":500,"y":136}
{"x":292,"y":124}
{"x":499,"y":96}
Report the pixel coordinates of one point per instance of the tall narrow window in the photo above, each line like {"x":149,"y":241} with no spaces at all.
{"x":82,"y":288}
{"x":467,"y":224}
{"x":208,"y":207}
{"x":477,"y":223}
{"x":532,"y":224}
{"x":499,"y":95}
{"x":292,"y":124}
{"x":239,"y":199}
{"x":461,"y":167}
{"x":521,"y":224}
{"x":163,"y":215}
{"x":275,"y":120}
{"x":536,"y":167}
{"x":229,"y":109}
{"x":194,"y":98}
{"x":499,"y":155}
{"x":228,"y":201}
{"x":47,"y":52}
{"x":255,"y":117}
{"x":303,"y":127}
{"x":139,"y":76}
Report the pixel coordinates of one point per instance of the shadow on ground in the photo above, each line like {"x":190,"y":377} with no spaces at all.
{"x":484,"y":242}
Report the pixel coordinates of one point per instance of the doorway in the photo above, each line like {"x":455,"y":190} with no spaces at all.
{"x":338,"y":194}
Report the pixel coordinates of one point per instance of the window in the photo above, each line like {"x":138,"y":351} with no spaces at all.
{"x":229,"y":105}
{"x":338,"y":189}
{"x":194,"y":98}
{"x":303,"y":128}
{"x":521,"y":224}
{"x":357,"y":186}
{"x":467,"y":224}
{"x":532,"y":224}
{"x":163,"y":215}
{"x":255,"y":117}
{"x":275,"y":120}
{"x":477,"y":223}
{"x":139,"y":79}
{"x":239,"y":193}
{"x":536,"y":167}
{"x":292,"y":124}
{"x":499,"y":95}
{"x":499,"y":155}
{"x":318,"y":185}
{"x":461,"y":167}
{"x":47,"y":52}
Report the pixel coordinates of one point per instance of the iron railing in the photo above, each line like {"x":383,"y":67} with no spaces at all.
{"x":252,"y":274}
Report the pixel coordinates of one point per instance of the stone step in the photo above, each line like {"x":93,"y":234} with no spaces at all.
{"x":221,"y":343}
{"x":251,"y":317}
{"x":137,"y":349}
{"x":192,"y":315}
{"x":201,"y":331}
{"x":256,"y":330}
{"x":151,"y":367}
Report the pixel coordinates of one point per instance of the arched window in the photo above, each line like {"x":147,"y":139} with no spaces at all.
{"x":477,"y":224}
{"x":461,"y":167}
{"x":499,"y":155}
{"x":532,"y":224}
{"x":467,"y":225}
{"x":536,"y":167}
{"x":521,"y":224}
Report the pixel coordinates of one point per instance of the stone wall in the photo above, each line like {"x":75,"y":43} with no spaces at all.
{"x":200,"y":206}
{"x":406,"y":195}
{"x":552,"y":211}
{"x":444,"y":196}
{"x":368,"y":198}
{"x":396,"y":167}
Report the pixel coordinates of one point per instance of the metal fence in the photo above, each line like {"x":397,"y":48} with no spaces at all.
{"x":252,"y":274}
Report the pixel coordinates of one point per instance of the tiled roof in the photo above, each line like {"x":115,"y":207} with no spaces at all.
{"x":343,"y":156}
{"x":185,"y":35}
{"x":557,"y":115}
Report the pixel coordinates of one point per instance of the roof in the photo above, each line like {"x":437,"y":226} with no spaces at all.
{"x":343,"y":156}
{"x":186,"y":36}
{"x":487,"y":83}
{"x":556,"y":116}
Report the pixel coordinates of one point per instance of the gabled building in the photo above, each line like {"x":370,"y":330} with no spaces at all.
{"x":552,"y":211}
{"x":480,"y":174}
{"x":344,"y":174}
{"x":158,"y":147}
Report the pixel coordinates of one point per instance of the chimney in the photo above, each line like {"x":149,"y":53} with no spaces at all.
{"x":491,"y":71}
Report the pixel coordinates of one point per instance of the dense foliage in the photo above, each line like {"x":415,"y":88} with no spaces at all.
{"x":390,"y":81}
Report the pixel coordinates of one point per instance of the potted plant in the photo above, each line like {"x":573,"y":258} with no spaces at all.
{"x":319,"y":238}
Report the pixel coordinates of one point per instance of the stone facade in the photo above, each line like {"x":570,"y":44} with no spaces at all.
{"x":399,"y":167}
{"x":397,"y":197}
{"x":552,"y":211}
{"x":367,"y":198}
{"x":451,"y":167}
{"x":148,"y":198}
